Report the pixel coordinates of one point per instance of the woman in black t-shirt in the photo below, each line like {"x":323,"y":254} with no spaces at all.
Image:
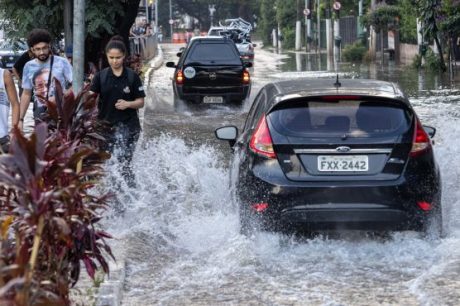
{"x":121,"y":94}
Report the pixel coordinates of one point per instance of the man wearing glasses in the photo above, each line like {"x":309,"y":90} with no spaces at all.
{"x":39,"y":75}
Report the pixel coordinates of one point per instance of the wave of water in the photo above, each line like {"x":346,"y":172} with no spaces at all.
{"x":179,"y":232}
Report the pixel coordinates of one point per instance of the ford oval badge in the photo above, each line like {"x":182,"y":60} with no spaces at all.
{"x":343,"y":149}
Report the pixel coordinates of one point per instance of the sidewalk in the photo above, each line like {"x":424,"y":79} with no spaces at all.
{"x":107,"y":290}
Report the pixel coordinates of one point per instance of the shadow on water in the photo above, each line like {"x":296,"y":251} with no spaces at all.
{"x":412,"y":80}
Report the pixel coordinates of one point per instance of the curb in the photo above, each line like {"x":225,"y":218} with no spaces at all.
{"x":111,"y":291}
{"x":154,"y":64}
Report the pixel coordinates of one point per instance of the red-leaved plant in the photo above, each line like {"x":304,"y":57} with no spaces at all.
{"x":48,"y":206}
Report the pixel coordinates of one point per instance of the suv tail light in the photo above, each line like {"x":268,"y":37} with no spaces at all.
{"x":421,"y":142}
{"x":180,"y":77}
{"x":261,"y":141}
{"x":246,"y":77}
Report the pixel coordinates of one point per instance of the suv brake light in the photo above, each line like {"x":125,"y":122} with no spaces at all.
{"x":261,"y":141}
{"x":180,"y":77}
{"x":421,"y":142}
{"x":246,"y":77}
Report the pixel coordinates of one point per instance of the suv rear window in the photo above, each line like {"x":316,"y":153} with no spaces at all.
{"x":213,"y":52}
{"x":353,"y":118}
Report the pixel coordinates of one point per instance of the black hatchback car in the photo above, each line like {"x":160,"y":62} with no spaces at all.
{"x":319,"y":154}
{"x":210,"y":70}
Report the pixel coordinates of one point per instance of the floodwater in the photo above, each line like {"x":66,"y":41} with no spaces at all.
{"x":178,"y":230}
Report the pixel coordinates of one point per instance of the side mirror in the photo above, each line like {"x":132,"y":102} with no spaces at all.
{"x":431,"y":131}
{"x":229,"y":133}
{"x":254,"y":45}
{"x":170,"y":64}
{"x":248,"y":64}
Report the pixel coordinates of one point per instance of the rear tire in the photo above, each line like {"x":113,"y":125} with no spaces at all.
{"x":433,"y":226}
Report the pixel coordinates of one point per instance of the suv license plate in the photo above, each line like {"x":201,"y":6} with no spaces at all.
{"x":343,"y":163}
{"x":211,"y":99}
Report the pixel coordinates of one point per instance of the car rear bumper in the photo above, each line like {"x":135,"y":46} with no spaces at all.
{"x":196,"y":94}
{"x":351,"y":205}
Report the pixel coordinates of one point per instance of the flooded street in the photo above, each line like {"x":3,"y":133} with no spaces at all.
{"x":179,"y":230}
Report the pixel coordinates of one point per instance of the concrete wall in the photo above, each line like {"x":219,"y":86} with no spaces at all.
{"x":408,"y":52}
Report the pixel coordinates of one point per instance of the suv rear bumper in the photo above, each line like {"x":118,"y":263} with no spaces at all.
{"x":229,"y":94}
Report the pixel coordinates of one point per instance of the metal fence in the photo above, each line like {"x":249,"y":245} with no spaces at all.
{"x":145,"y":46}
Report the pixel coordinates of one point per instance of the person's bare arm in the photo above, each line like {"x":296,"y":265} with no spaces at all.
{"x":24,"y":105}
{"x":123,"y":104}
{"x":17,"y":76}
{"x":12,"y":97}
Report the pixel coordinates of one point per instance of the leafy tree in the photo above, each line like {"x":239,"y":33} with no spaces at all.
{"x":267,"y":20}
{"x":408,"y":22}
{"x":430,"y":12}
{"x":104,"y":18}
{"x":286,"y":16}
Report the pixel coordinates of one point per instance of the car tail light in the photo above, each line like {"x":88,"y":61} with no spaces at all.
{"x":261,"y":141}
{"x":259,"y":207}
{"x":180,"y":77}
{"x":425,"y":206}
{"x":421,"y":142}
{"x":246,"y":77}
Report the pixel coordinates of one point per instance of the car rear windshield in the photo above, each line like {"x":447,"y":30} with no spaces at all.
{"x":330,"y":119}
{"x":210,"y":53}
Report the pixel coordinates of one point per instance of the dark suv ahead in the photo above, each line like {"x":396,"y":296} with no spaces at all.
{"x":345,"y":155}
{"x":210,"y":70}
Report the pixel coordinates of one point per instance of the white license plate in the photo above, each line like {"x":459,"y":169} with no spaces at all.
{"x":9,"y":65}
{"x":343,"y":163}
{"x":213,"y":99}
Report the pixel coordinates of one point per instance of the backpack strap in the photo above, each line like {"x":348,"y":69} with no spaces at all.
{"x":130,"y":76}
{"x":104,"y":76}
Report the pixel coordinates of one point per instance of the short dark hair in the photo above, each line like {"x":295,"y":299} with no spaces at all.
{"x":116,"y":42}
{"x":37,"y":36}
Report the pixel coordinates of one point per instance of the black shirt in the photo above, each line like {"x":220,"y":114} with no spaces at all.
{"x":114,"y":88}
{"x":21,"y":62}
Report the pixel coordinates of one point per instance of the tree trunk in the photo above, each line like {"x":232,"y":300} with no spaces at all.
{"x":397,"y":47}
{"x":382,"y":53}
{"x":441,"y":56}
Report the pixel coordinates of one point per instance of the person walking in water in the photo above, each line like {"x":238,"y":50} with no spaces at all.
{"x":8,"y":98}
{"x":40,"y":73}
{"x":121,"y":94}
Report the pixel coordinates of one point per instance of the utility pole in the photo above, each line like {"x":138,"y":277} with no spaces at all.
{"x":156,"y":15}
{"x":68,"y":23}
{"x":329,"y":33}
{"x":318,"y":27}
{"x":337,"y":37}
{"x":170,"y":19}
{"x":373,"y":36}
{"x":298,"y":30}
{"x":147,"y":10}
{"x":308,"y":25}
{"x":78,"y":44}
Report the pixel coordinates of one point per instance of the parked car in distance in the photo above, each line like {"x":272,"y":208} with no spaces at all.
{"x":210,"y":70}
{"x":314,"y":154}
{"x":9,"y":53}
